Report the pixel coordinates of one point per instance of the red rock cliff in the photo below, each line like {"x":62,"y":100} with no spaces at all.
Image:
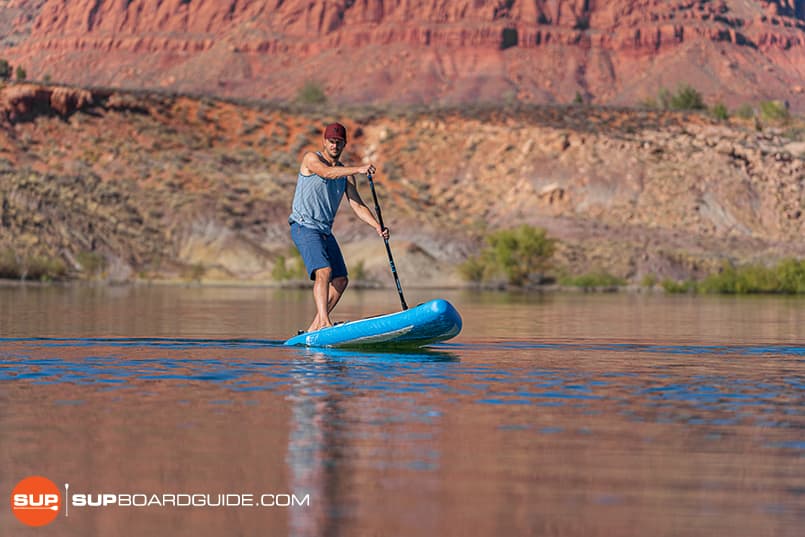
{"x":617,"y":51}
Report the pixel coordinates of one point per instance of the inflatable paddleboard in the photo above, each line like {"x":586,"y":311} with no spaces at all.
{"x":430,"y":322}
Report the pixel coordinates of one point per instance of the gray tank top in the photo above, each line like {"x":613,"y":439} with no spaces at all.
{"x":316,"y":200}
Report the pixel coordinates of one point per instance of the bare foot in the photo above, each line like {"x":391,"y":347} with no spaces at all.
{"x":318,"y":326}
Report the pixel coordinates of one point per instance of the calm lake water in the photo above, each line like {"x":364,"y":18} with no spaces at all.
{"x":565,"y":414}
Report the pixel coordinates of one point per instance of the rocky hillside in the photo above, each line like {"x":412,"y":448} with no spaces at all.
{"x":171,"y":186}
{"x":370,"y":51}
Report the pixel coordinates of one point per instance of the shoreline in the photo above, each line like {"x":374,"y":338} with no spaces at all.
{"x":355,"y":286}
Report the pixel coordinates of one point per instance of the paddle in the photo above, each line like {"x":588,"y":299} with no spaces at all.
{"x":388,"y":248}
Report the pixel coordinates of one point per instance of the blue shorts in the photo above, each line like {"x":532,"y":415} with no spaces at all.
{"x":318,"y":250}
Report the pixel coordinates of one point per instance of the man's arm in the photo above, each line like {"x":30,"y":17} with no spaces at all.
{"x":360,"y":208}
{"x":311,"y":163}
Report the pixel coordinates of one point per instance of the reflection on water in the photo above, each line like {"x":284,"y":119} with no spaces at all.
{"x":487,"y":435}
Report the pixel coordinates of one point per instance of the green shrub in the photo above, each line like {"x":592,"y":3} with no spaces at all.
{"x":358,"y":271}
{"x":686,"y":98}
{"x":92,"y":263}
{"x":774,"y":111}
{"x":5,"y":70}
{"x":719,"y":111}
{"x":786,"y":277}
{"x":593,"y":280}
{"x":731,"y":280}
{"x":472,"y":270}
{"x":675,"y":287}
{"x":38,"y":267}
{"x":20,"y":73}
{"x":290,"y":267}
{"x":649,"y":280}
{"x":521,"y":252}
{"x":311,"y":92}
{"x":791,"y":276}
{"x":664,"y":98}
{"x":9,"y":266}
{"x":44,"y":268}
{"x":515,"y":253}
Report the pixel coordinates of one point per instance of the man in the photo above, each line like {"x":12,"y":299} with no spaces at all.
{"x":320,"y":185}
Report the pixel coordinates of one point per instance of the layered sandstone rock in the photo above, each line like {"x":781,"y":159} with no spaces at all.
{"x":619,"y":51}
{"x":23,"y":102}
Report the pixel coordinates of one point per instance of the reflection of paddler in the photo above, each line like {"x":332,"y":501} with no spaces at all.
{"x":321,"y":183}
{"x":323,"y":456}
{"x":316,"y":439}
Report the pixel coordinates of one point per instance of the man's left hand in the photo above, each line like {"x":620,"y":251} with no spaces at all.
{"x":384,"y":232}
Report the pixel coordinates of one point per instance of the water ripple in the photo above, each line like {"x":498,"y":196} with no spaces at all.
{"x":503,"y":377}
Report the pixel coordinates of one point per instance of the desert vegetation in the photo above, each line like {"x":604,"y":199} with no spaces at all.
{"x":289,"y":266}
{"x":311,"y":93}
{"x":685,"y":97}
{"x":593,"y":281}
{"x":7,"y":70}
{"x":521,"y":255}
{"x":688,"y":98}
{"x":31,"y":267}
{"x":785,"y":277}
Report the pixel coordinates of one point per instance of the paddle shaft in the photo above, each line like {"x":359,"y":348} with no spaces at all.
{"x":388,"y":248}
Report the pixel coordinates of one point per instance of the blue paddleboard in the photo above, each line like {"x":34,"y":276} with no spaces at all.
{"x":431,"y":322}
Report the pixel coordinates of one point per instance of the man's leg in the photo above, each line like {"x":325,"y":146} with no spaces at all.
{"x":339,"y":274}
{"x":337,"y":287}
{"x":321,"y":292}
{"x":335,"y":290}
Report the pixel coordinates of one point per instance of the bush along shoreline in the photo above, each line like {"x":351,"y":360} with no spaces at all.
{"x":785,"y":278}
{"x":523,"y":258}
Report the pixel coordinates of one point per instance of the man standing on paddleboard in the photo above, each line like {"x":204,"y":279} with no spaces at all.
{"x":320,"y":185}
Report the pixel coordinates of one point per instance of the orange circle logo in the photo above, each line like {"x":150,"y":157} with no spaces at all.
{"x":36,"y":501}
